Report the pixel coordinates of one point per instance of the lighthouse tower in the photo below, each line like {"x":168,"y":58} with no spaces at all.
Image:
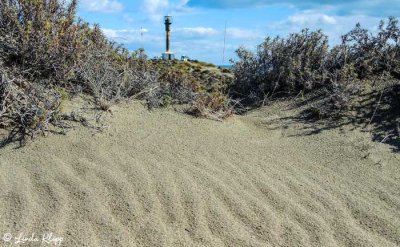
{"x":168,"y":55}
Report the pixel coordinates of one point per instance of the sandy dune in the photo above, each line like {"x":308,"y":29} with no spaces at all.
{"x":166,"y":179}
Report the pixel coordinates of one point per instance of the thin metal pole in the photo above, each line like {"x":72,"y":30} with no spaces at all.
{"x":141,"y":35}
{"x":223,"y":53}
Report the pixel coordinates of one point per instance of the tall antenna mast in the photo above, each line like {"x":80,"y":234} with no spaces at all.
{"x":223,"y":52}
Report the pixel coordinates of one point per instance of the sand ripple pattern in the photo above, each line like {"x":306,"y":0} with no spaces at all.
{"x":166,"y":179}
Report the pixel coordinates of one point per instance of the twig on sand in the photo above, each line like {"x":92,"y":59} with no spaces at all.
{"x":376,"y":109}
{"x":144,"y":92}
{"x":386,"y":137}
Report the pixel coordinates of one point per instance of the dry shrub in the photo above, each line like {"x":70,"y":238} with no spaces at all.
{"x":371,"y":54}
{"x":43,"y":41}
{"x":214,"y":106}
{"x":44,"y":46}
{"x":205,"y":93}
{"x":304,"y":63}
{"x":26,"y":110}
{"x":281,"y":65}
{"x":40,"y":37}
{"x":45,"y":49}
{"x":180,"y":86}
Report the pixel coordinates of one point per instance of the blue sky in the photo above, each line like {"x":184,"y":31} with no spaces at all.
{"x":198,"y":27}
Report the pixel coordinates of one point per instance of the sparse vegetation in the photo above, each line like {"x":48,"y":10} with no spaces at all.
{"x":47,"y":56}
{"x":303,"y":63}
{"x":333,"y":81}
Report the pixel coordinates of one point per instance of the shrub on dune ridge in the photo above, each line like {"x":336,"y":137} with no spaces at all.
{"x":279,"y":64}
{"x":304,"y":63}
{"x":44,"y":47}
{"x":26,"y":108}
{"x":374,"y":54}
{"x":291,"y":64}
{"x":41,"y":38}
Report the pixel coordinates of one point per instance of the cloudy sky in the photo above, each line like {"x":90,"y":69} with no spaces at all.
{"x":198,"y":28}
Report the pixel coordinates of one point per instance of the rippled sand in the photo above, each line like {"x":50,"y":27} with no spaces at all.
{"x":166,"y":179}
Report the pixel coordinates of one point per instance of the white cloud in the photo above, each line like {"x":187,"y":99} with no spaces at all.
{"x":238,"y":33}
{"x":104,"y":6}
{"x":156,"y":9}
{"x":110,"y":33}
{"x":345,"y":7}
{"x":332,"y":25}
{"x":311,"y":18}
{"x":128,"y":18}
{"x":182,"y":7}
{"x":203,"y":31}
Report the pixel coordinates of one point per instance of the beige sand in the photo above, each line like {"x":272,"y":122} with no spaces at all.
{"x":166,"y":179}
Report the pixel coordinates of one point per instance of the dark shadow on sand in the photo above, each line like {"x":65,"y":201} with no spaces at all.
{"x":375,"y":112}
